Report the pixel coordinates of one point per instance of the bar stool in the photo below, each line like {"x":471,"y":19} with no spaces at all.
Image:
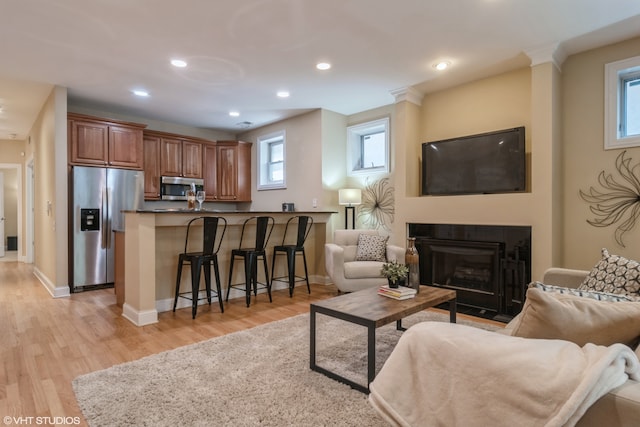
{"x":291,"y":250}
{"x":201,"y":260}
{"x":250,"y":256}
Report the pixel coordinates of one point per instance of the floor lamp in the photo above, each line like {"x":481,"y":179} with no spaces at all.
{"x":350,"y":197}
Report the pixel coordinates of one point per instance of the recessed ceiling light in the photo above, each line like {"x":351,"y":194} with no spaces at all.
{"x":234,"y":113}
{"x":323,"y":66}
{"x":178,"y":63}
{"x":443,"y":65}
{"x":138,"y":92}
{"x":283,"y":94}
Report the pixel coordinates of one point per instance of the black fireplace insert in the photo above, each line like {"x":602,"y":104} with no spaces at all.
{"x":488,"y":266}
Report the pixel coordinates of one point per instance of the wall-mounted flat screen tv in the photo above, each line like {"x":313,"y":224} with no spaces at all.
{"x":493,"y":162}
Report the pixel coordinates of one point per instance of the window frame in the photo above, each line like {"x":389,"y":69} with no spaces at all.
{"x":615,"y":74}
{"x":355,"y":136}
{"x":265,"y":165}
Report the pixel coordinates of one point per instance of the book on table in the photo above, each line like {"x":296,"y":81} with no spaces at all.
{"x":400,"y":292}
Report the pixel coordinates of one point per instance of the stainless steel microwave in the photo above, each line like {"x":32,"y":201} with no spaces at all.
{"x":175,"y":187}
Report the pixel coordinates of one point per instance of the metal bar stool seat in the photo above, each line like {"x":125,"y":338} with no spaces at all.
{"x":250,"y":256}
{"x":201,"y":260}
{"x":291,"y":250}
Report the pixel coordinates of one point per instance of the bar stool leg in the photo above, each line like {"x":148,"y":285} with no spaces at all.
{"x":195,"y":286}
{"x":273,"y":266}
{"x":266,"y":275}
{"x":230,"y":275}
{"x":207,"y":279}
{"x":248,"y":276}
{"x":306,"y":274}
{"x":216,"y":271}
{"x":175,"y":301}
{"x":291,"y":266}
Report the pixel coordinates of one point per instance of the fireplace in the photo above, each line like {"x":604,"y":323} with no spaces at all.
{"x":488,"y":266}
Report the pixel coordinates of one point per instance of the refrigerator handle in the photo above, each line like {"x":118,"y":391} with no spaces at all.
{"x":109,"y":222}
{"x":105,"y":220}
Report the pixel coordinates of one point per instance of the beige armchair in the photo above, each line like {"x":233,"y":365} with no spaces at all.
{"x":349,"y":274}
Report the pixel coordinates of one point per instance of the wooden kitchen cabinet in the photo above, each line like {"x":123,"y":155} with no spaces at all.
{"x":224,"y":166}
{"x":170,"y":157}
{"x":233,"y":171}
{"x":179,"y":156}
{"x":191,"y":159}
{"x":151,"y":149}
{"x":99,"y":142}
{"x":209,"y":175}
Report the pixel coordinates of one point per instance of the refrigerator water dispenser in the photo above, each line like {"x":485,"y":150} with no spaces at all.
{"x":89,"y":219}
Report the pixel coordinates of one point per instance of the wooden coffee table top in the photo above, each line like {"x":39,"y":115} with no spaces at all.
{"x":368,"y":308}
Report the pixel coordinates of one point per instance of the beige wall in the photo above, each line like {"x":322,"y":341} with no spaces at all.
{"x":563,"y":111}
{"x":334,"y":165}
{"x":48,"y":148}
{"x":361,"y":181}
{"x":525,"y":97}
{"x":498,"y":102}
{"x":303,"y":158}
{"x":585,"y":157}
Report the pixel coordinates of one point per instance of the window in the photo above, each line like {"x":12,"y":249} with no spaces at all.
{"x":622,"y":103}
{"x":271,"y":161}
{"x":368,"y":147}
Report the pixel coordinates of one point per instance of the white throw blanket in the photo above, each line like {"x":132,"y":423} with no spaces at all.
{"x":443,"y":374}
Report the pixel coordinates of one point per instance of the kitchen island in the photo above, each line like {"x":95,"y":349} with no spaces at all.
{"x":155,"y":237}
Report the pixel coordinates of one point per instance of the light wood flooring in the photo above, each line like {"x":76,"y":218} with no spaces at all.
{"x":45,"y":342}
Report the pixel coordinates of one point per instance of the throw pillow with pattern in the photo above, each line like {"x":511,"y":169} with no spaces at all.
{"x":600,"y":296}
{"x":613,"y":274}
{"x":372,"y":248}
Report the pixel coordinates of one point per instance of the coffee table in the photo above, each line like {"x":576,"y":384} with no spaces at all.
{"x":371,"y":310}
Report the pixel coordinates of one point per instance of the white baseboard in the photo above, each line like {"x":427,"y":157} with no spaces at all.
{"x":139,"y":318}
{"x":55,"y":291}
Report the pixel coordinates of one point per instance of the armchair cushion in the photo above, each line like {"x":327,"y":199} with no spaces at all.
{"x":554,"y":315}
{"x":362,"y":269}
{"x":372,"y":248}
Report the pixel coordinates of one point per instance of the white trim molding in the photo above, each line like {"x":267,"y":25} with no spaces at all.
{"x":409,"y":94}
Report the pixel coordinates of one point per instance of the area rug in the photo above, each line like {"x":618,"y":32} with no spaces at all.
{"x":257,"y":377}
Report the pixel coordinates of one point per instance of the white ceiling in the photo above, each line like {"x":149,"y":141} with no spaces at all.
{"x":241,"y":52}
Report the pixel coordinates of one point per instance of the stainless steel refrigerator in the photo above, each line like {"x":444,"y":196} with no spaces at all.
{"x":98,"y":197}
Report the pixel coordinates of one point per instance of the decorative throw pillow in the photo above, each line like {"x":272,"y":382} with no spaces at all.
{"x":372,"y":247}
{"x":554,"y":315}
{"x":614,"y":274}
{"x":600,"y":296}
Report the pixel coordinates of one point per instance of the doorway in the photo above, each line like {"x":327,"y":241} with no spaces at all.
{"x":12,"y":198}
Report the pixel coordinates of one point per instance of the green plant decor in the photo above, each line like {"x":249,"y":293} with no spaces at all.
{"x":394,"y":271}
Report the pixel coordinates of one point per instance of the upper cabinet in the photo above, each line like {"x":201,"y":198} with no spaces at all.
{"x":209,"y":156}
{"x":151,"y":148}
{"x":94,"y":141}
{"x":191,"y":159}
{"x":179,"y":156}
{"x":233,"y":171}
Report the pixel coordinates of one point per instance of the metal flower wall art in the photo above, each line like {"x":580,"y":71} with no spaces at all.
{"x":378,"y":204}
{"x":618,"y":202}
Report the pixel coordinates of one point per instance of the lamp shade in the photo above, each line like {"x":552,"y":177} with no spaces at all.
{"x":350,"y":196}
